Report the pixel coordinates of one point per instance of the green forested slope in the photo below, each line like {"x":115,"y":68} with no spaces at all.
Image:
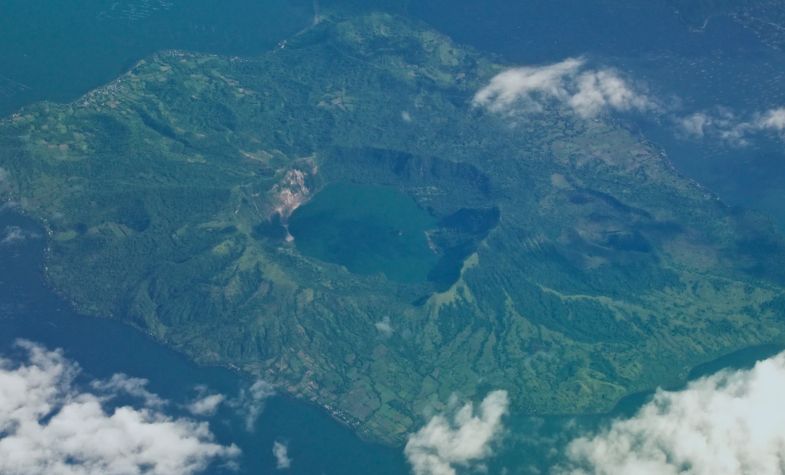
{"x":571,"y":264}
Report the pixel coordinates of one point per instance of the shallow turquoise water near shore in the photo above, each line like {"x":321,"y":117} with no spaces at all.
{"x":367,"y":229}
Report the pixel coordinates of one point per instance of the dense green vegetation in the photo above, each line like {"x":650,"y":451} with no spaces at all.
{"x":564,"y":260}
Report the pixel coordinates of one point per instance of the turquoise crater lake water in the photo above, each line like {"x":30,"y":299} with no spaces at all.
{"x":368,"y":229}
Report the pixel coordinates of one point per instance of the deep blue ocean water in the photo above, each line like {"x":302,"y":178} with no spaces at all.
{"x":60,"y":50}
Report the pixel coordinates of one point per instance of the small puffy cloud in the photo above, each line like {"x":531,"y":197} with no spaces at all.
{"x":134,"y":387}
{"x":250,"y":402}
{"x":49,"y":425}
{"x":14,"y":235}
{"x":604,"y":89}
{"x":697,"y":124}
{"x":10,"y":205}
{"x":719,"y":123}
{"x":587,"y":92}
{"x":517,"y":85}
{"x":205,"y":404}
{"x":773,"y":119}
{"x":281,"y":453}
{"x":462,"y":439}
{"x":384,"y":326}
{"x":726,"y":126}
{"x":731,"y":423}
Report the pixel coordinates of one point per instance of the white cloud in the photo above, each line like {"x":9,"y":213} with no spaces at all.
{"x":731,"y":423}
{"x":719,"y":123}
{"x":135,"y":387}
{"x":520,"y":85}
{"x":587,"y":92}
{"x":48,"y":425}
{"x":604,"y":89}
{"x":773,"y":119}
{"x":696,"y":124}
{"x":10,"y":205}
{"x":14,"y":234}
{"x":250,"y":402}
{"x":205,"y":404}
{"x":462,"y":439}
{"x":384,"y":326}
{"x":281,"y":453}
{"x":723,"y":124}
